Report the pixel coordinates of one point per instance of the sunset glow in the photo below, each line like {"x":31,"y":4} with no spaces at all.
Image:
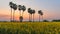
{"x":50,"y":8}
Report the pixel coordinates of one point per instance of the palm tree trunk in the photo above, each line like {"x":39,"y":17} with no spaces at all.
{"x":13,"y":15}
{"x":29,"y":17}
{"x":39,"y":18}
{"x":42,"y":17}
{"x":20,"y":13}
{"x":33,"y":17}
{"x":19,"y":16}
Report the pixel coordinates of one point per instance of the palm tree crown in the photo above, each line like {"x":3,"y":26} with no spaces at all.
{"x":33,"y":11}
{"x":11,"y":4}
{"x":14,"y":6}
{"x":29,"y":9}
{"x":23,"y":8}
{"x":39,"y":12}
{"x":19,"y":7}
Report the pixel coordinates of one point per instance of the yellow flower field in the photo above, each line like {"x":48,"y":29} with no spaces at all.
{"x":30,"y":28}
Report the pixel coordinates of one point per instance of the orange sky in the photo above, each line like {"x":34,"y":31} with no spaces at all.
{"x":6,"y":13}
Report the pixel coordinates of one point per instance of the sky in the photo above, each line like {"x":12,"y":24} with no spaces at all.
{"x":50,"y":9}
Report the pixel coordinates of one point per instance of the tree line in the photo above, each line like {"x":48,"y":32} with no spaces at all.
{"x":22,"y":9}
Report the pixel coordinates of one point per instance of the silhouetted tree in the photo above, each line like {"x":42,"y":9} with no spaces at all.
{"x":45,"y":21}
{"x":11,"y":6}
{"x":23,"y":8}
{"x":19,"y":8}
{"x":29,"y":10}
{"x":56,"y":20}
{"x":15,"y":8}
{"x":33,"y":11}
{"x":40,"y":13}
{"x":21,"y":18}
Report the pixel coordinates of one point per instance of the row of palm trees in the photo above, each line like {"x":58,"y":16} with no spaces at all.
{"x":23,"y":8}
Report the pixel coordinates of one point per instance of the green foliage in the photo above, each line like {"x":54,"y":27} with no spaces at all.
{"x":45,"y":21}
{"x":55,"y":20}
{"x":29,"y":28}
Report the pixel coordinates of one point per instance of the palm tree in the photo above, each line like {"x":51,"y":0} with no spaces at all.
{"x":15,"y":8}
{"x":33,"y":14}
{"x":21,"y":18}
{"x":23,"y":8}
{"x":40,"y":13}
{"x":29,"y":11}
{"x":11,"y":6}
{"x":20,"y":8}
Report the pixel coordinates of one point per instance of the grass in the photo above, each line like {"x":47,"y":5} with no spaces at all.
{"x":30,"y":28}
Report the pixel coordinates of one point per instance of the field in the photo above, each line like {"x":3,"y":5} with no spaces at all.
{"x":30,"y":28}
